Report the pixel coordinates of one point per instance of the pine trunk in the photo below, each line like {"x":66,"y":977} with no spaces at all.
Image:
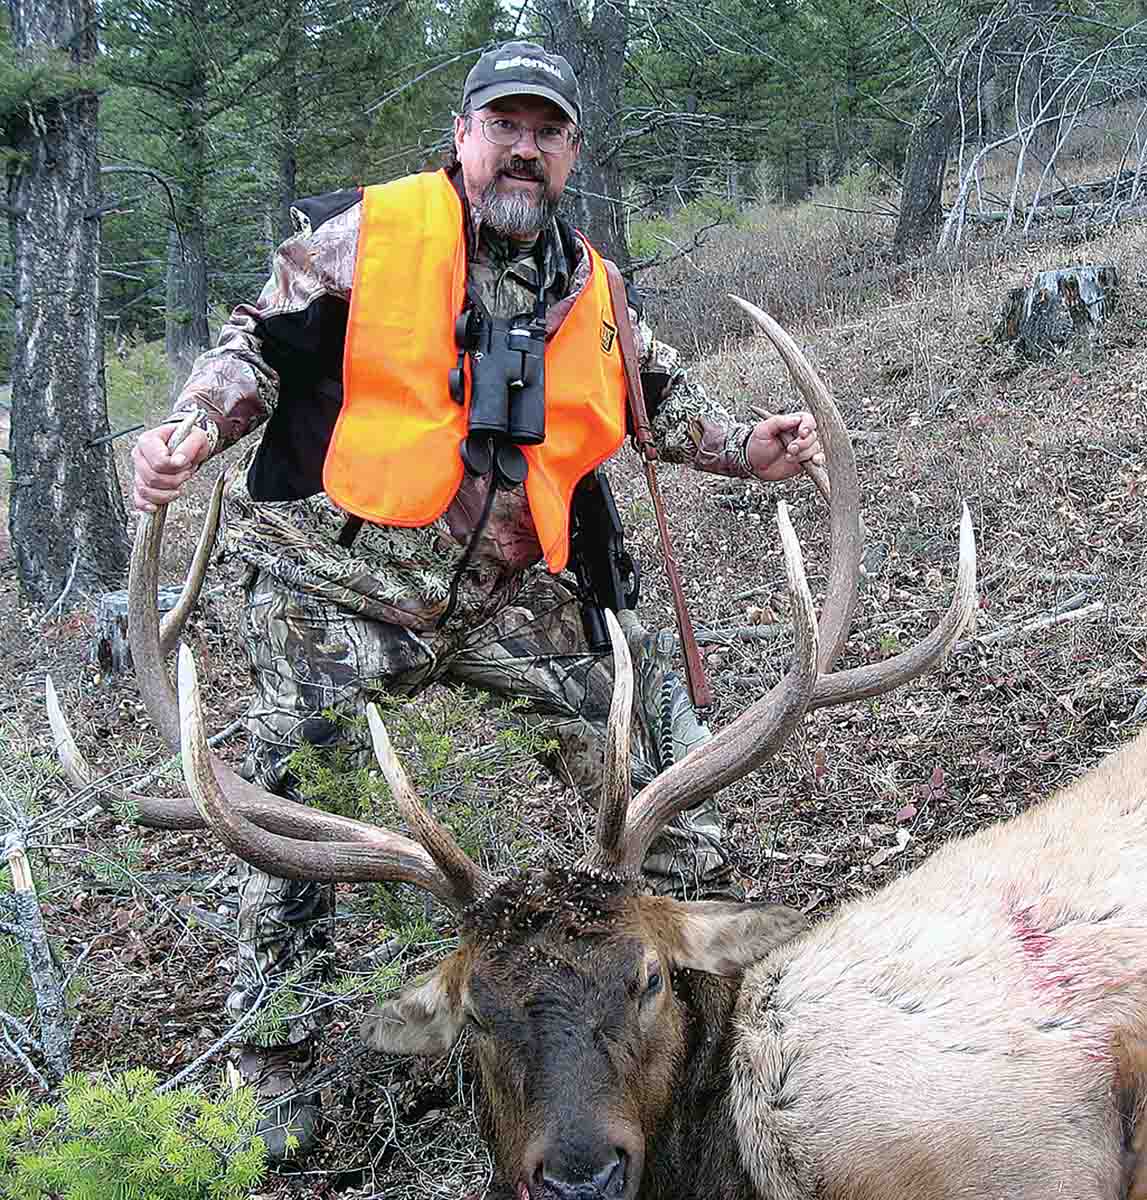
{"x":186,"y":335}
{"x":924,"y":167}
{"x":287,"y":121}
{"x":969,"y":70}
{"x":596,"y":51}
{"x":67,"y":519}
{"x":186,"y":332}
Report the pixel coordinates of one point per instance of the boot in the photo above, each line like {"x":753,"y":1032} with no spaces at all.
{"x":687,"y":859}
{"x":288,"y":1110}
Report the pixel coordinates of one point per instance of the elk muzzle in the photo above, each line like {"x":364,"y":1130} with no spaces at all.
{"x":602,"y":1163}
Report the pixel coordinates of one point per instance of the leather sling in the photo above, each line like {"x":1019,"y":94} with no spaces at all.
{"x":699,"y":690}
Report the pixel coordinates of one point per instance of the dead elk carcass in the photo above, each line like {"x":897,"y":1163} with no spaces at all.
{"x":973,"y":1031}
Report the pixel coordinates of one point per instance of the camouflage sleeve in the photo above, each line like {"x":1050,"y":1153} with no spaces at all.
{"x":689,"y":427}
{"x":233,"y":387}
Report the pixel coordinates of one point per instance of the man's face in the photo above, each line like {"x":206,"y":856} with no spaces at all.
{"x":516,"y":188}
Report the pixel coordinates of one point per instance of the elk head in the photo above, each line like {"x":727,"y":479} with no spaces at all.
{"x":592,"y":1005}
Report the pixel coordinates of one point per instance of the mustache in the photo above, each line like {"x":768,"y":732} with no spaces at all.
{"x":528,"y":167}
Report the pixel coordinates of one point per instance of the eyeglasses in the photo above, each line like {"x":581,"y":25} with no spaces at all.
{"x":549,"y":139}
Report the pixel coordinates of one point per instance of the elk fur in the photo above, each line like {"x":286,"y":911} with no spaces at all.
{"x":975,"y":1029}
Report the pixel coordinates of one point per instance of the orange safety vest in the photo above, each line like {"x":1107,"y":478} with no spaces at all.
{"x":394,"y":454}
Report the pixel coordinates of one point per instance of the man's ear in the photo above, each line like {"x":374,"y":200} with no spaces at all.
{"x":724,"y":939}
{"x":422,"y":1019}
{"x":460,"y":130}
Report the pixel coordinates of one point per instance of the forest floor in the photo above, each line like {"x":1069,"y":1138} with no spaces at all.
{"x":1051,"y":460}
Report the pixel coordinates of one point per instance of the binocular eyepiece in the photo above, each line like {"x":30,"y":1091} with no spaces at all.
{"x":507,"y":392}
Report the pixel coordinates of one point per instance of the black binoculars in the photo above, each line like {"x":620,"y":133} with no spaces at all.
{"x":507,"y":392}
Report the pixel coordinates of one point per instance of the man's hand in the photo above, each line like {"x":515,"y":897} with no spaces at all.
{"x":766,"y":450}
{"x":160,"y":473}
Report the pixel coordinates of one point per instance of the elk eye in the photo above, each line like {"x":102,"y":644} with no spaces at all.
{"x":652,"y":984}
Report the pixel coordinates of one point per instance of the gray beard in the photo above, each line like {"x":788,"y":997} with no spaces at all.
{"x":516,"y":216}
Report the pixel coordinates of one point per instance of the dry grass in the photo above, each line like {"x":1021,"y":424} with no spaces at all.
{"x":1051,"y":459}
{"x":827,"y":259}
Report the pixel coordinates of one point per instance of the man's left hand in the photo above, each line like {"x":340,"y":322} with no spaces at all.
{"x":767,"y":453}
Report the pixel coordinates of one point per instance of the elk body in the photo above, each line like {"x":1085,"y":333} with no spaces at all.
{"x":973,"y":1031}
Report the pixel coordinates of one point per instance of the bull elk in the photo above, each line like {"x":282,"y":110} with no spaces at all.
{"x":974,"y":1030}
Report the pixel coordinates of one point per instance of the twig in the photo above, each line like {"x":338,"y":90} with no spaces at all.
{"x":16,"y":1053}
{"x":743,"y":633}
{"x":110,"y":437}
{"x":1014,"y":632}
{"x":1124,"y":458}
{"x":1072,"y":602}
{"x":67,"y":586}
{"x":862,"y":212}
{"x":81,"y":959}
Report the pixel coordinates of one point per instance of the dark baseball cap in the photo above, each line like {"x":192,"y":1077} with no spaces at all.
{"x":523,"y":69}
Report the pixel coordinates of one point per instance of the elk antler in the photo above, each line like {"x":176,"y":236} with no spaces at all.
{"x":847,"y":539}
{"x":276,"y":834}
{"x":762,"y":729}
{"x":442,"y":867}
{"x":146,"y":638}
{"x":787,"y":703}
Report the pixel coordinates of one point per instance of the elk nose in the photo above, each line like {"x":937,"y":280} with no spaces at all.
{"x":608,"y":1182}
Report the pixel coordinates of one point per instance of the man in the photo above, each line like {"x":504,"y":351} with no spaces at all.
{"x":389,"y":536}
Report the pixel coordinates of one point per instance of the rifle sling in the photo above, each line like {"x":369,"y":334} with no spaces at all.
{"x":699,"y":690}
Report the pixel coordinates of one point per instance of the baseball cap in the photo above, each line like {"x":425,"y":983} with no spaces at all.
{"x":523,"y":69}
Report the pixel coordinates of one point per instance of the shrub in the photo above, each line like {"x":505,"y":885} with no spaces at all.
{"x":138,"y":381}
{"x":118,"y":1138}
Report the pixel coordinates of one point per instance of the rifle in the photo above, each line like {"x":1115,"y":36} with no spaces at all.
{"x":607,"y":575}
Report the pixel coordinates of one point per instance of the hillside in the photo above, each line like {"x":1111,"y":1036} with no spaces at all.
{"x":1052,"y":461}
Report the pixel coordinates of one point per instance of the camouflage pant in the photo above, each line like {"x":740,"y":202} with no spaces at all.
{"x":312,"y":659}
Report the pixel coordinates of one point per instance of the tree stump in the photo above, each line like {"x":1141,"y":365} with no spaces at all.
{"x":1060,"y":310}
{"x":111,"y":651}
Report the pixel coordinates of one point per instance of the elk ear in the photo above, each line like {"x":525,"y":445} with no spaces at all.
{"x":724,"y":939}
{"x":421,"y":1019}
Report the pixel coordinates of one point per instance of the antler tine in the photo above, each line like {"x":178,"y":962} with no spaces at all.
{"x":847,"y":540}
{"x":381,"y":856}
{"x":750,"y":740}
{"x":179,"y":812}
{"x":153,"y":812}
{"x":74,"y":765}
{"x":739,"y":748}
{"x":269,"y":812}
{"x":172,"y":624}
{"x":613,"y":806}
{"x":466,"y":878}
{"x":272,"y":813}
{"x":861,"y":683}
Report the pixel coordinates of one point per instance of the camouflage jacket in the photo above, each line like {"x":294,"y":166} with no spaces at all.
{"x":277,"y":366}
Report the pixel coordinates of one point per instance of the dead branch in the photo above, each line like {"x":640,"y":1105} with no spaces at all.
{"x":1012,"y":633}
{"x":26,"y":922}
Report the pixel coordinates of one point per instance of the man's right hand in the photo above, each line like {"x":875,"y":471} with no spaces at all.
{"x":161,"y":473}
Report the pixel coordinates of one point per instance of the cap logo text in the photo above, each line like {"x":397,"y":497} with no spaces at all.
{"x":519,"y":60}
